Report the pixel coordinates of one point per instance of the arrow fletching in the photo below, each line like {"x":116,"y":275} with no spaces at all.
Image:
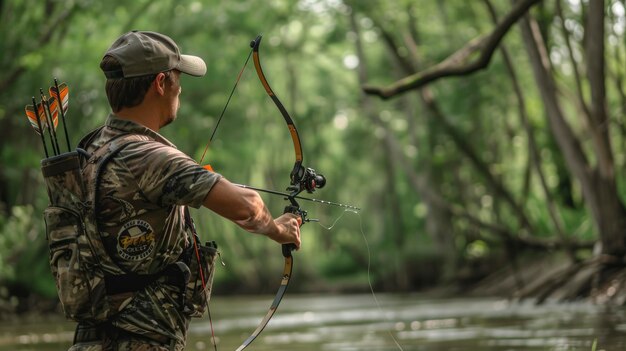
{"x":45,"y":106}
{"x":42,"y":115}
{"x":35,"y":122}
{"x":61,"y":93}
{"x":53,"y":106}
{"x":63,"y":96}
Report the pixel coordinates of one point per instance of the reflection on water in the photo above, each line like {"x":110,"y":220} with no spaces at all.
{"x":355,"y":323}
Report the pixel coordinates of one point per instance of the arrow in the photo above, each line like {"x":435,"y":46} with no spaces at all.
{"x":35,"y":121}
{"x":62,"y":93}
{"x":286,"y":195}
{"x":53,"y":120}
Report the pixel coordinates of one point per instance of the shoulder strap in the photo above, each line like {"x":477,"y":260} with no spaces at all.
{"x":93,"y":171}
{"x":101,"y":156}
{"x":128,"y":281}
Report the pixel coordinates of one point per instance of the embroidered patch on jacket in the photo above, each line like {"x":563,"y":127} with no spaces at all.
{"x":136,"y":240}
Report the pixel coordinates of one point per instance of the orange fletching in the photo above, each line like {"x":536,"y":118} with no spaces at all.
{"x":208,"y":168}
{"x":63,"y":97}
{"x":42,"y":115}
{"x":32,"y":117}
{"x":54,"y":111}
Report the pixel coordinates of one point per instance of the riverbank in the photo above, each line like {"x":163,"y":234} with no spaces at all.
{"x":598,"y":280}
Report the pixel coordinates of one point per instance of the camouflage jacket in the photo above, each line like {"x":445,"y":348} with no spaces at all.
{"x":141,"y":203}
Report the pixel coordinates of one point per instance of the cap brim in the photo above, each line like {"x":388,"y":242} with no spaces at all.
{"x":192,"y":65}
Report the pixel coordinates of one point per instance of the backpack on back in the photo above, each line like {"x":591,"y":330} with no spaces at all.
{"x":70,"y":229}
{"x":91,"y":286}
{"x":78,"y":259}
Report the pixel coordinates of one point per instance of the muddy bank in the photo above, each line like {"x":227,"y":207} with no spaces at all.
{"x":599,"y":279}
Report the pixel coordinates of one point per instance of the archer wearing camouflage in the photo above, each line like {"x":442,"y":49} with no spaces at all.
{"x":142,"y":198}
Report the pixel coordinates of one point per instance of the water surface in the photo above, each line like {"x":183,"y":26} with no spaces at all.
{"x":356,"y":323}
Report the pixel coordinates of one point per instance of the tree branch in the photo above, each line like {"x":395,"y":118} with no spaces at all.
{"x":459,"y":139}
{"x":474,"y":56}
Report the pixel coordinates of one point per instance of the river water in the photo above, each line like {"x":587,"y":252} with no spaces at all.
{"x":391,"y":322}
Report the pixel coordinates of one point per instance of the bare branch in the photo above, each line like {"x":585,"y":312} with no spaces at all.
{"x":474,"y":56}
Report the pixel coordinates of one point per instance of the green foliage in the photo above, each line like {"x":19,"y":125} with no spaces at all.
{"x":16,"y":233}
{"x":23,"y":253}
{"x":340,"y":266}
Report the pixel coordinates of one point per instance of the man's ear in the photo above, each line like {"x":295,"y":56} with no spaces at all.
{"x":159,"y":83}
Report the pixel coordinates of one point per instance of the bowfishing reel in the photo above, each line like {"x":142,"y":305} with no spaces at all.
{"x":312,"y":180}
{"x":304,"y":178}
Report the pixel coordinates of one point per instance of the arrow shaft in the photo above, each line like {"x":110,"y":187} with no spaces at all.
{"x":274,"y":192}
{"x":43,"y":139}
{"x":51,"y":129}
{"x":60,"y":102}
{"x":48,"y":122}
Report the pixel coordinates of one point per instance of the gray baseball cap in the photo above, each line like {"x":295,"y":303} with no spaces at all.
{"x":143,"y":53}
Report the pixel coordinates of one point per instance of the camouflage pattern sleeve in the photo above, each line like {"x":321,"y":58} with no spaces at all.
{"x":167,"y":176}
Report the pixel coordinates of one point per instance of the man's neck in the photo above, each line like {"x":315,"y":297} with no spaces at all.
{"x":141,"y":114}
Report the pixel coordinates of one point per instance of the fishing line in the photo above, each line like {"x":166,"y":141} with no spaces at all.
{"x":369,"y":265}
{"x":337,"y":220}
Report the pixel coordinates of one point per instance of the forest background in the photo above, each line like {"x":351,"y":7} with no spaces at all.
{"x":483,"y":140}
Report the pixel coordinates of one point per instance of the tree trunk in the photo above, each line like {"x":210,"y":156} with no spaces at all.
{"x":598,"y":183}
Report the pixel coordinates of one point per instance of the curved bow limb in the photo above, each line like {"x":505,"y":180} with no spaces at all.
{"x":297,"y":171}
{"x":279,"y":296}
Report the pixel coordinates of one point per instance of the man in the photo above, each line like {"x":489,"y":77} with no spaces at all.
{"x":145,"y":188}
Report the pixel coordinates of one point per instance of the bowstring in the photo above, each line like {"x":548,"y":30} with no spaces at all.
{"x":369,"y":266}
{"x":206,"y":148}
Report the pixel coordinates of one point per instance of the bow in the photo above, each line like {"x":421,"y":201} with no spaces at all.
{"x":301,"y":179}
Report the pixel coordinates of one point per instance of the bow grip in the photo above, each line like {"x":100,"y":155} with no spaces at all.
{"x":287,"y":248}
